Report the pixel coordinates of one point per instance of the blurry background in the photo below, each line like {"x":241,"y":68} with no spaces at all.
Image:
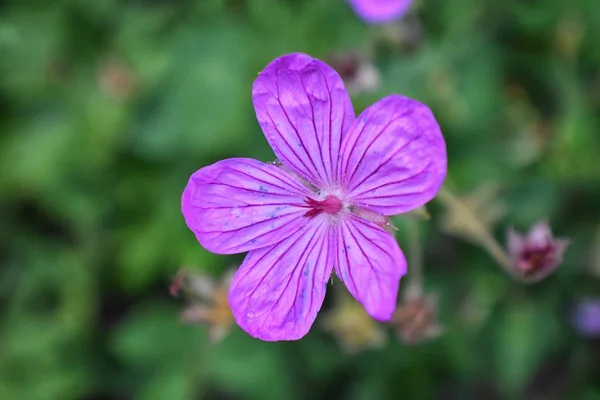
{"x":107,"y":107}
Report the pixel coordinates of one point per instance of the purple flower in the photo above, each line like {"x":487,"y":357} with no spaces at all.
{"x":380,"y":11}
{"x":536,"y":255}
{"x":586,"y":317}
{"x":323,"y":206}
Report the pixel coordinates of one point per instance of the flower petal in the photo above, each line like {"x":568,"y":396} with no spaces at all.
{"x":515,"y":243}
{"x":586,"y":317}
{"x":393,"y":157}
{"x":240,"y":204}
{"x":303,"y":108}
{"x":560,"y":247}
{"x":377,"y":11}
{"x":540,"y":235}
{"x":370,"y":264}
{"x":278,"y":290}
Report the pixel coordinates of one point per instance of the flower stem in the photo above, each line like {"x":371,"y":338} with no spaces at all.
{"x":479,"y":230}
{"x":415,"y":275}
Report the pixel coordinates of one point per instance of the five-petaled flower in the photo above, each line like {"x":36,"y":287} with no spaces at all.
{"x":323,"y":206}
{"x":380,"y":11}
{"x":536,"y":255}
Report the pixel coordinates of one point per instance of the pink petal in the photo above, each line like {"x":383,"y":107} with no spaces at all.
{"x":370,"y":264}
{"x":540,"y":235}
{"x":303,"y":109}
{"x":515,"y":243}
{"x":377,"y":11}
{"x":393,"y":157}
{"x":278,"y":290}
{"x":560,"y":246}
{"x":240,"y":204}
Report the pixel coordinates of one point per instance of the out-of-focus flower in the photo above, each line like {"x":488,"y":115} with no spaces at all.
{"x":326,"y":204}
{"x":537,"y":254}
{"x":207,"y":298}
{"x":116,"y":79}
{"x":354,"y":329}
{"x":586,"y":317}
{"x":357,"y":72}
{"x":380,"y":11}
{"x":416,"y":318}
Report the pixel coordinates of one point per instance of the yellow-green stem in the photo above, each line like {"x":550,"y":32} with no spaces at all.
{"x":415,"y":264}
{"x":479,"y":229}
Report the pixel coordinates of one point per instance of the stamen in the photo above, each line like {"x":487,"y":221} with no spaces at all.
{"x":371,"y":216}
{"x":388,"y":226}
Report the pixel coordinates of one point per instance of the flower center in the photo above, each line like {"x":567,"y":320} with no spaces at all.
{"x":329,"y":205}
{"x":534,"y":260}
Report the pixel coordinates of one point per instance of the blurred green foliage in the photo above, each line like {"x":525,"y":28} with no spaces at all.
{"x":107,"y":107}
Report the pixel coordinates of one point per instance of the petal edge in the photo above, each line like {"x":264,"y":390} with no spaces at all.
{"x":370,"y":263}
{"x":240,"y":204}
{"x":304,"y":110}
{"x":394,"y":157}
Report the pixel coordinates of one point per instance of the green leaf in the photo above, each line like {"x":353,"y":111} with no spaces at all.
{"x":525,"y":334}
{"x":152,"y":338}
{"x":206,"y":102}
{"x":171,"y":384}
{"x":256,"y":369}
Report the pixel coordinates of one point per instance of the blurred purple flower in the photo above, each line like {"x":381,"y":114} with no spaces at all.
{"x":586,"y":317}
{"x":536,"y":255}
{"x":324,"y":204}
{"x":380,"y":11}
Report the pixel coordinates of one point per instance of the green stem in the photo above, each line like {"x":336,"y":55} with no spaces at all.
{"x":415,"y":273}
{"x":478,"y":229}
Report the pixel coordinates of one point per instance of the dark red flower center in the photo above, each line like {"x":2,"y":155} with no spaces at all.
{"x":534,"y":260}
{"x":329,"y":205}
